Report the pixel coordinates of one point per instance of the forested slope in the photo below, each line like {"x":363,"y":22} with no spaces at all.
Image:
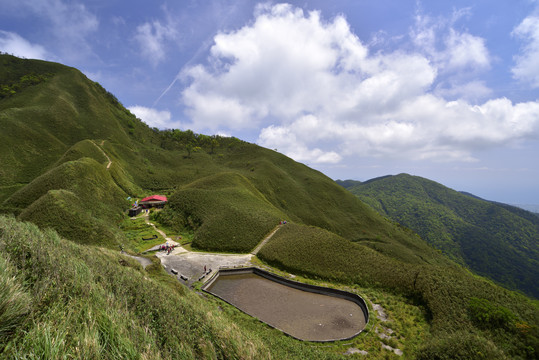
{"x":493,"y":239}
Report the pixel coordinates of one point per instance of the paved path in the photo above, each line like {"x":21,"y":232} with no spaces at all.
{"x":263,"y":242}
{"x":142,"y":260}
{"x":191,"y":265}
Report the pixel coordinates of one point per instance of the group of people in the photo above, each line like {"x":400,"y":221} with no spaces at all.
{"x":168,"y":248}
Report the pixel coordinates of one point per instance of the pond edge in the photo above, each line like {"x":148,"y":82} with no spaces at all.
{"x":355,"y":298}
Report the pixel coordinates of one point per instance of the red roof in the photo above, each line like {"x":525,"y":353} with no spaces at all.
{"x":155,"y":198}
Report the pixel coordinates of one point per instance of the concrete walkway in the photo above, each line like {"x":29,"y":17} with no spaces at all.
{"x":266,"y":239}
{"x":142,"y":260}
{"x":190,"y":266}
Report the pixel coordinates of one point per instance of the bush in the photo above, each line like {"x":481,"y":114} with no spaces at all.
{"x":487,"y":315}
{"x":460,"y":346}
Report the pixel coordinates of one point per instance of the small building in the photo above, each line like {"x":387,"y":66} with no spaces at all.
{"x":157,"y":201}
{"x":134,"y":211}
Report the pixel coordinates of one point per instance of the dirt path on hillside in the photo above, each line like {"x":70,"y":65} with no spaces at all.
{"x":103,"y":151}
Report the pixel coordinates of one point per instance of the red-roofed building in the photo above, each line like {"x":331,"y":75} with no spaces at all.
{"x":153,"y":201}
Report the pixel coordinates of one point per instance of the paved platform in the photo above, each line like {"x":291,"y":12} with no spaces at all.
{"x":191,"y":264}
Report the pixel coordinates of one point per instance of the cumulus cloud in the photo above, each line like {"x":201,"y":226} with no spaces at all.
{"x":286,"y":140}
{"x":449,"y":49}
{"x":526,"y":68}
{"x":319,"y":95}
{"x":458,"y":56}
{"x":12,"y":43}
{"x":160,"y":119}
{"x":465,"y":50}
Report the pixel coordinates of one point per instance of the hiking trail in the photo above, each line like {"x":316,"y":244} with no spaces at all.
{"x":103,"y":151}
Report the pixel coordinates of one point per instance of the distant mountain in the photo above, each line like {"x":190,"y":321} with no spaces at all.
{"x":534,"y":208}
{"x":493,"y":239}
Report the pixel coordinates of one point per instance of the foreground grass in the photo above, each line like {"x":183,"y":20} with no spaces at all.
{"x":63,"y":300}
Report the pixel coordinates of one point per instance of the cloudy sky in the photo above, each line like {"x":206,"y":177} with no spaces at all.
{"x":447,"y":90}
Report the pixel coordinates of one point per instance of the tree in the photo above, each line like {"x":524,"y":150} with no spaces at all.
{"x":213,"y":143}
{"x":191,"y":148}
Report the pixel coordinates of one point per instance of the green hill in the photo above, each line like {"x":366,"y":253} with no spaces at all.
{"x":495,"y":240}
{"x":72,"y":155}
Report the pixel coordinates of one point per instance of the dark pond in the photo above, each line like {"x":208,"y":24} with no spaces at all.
{"x":302,"y":314}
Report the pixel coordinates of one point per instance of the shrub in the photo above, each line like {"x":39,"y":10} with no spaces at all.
{"x":487,"y":315}
{"x":460,"y":346}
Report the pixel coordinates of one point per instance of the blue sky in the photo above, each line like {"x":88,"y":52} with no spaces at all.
{"x":356,"y":89}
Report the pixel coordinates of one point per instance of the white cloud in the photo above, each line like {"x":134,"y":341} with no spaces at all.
{"x":285,"y":140}
{"x":160,"y":119}
{"x":152,"y":38}
{"x":450,"y":50}
{"x":464,"y":50}
{"x":12,"y":43}
{"x":319,"y":95}
{"x":526,"y":68}
{"x":71,"y":23}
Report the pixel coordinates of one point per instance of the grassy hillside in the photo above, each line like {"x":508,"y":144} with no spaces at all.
{"x":495,"y":240}
{"x":59,"y":299}
{"x":226,"y":212}
{"x":61,"y":133}
{"x":42,"y":121}
{"x":78,"y":198}
{"x":470,"y":317}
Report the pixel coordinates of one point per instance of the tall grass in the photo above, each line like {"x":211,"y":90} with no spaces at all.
{"x":14,"y":301}
{"x":83,"y":302}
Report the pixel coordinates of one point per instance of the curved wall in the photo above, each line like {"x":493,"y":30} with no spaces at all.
{"x":354,"y":298}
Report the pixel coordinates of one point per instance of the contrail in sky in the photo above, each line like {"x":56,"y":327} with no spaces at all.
{"x":205,"y":45}
{"x":197,"y":54}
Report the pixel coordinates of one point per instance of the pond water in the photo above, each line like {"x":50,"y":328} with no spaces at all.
{"x":302,"y":314}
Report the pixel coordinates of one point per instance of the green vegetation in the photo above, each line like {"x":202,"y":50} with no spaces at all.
{"x":226,"y":212}
{"x":495,"y":240}
{"x":72,"y":301}
{"x":82,"y":299}
{"x":25,"y":81}
{"x":78,"y":198}
{"x":136,"y":231}
{"x":444,"y":291}
{"x":17,"y":74}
